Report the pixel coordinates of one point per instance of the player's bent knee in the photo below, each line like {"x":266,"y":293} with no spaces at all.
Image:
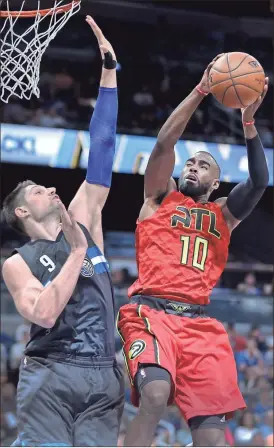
{"x":154,"y":385}
{"x":154,"y":397}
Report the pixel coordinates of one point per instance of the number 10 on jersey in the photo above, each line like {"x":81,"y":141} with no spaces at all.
{"x":199,"y":255}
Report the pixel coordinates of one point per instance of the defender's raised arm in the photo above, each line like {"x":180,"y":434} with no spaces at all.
{"x":88,"y":202}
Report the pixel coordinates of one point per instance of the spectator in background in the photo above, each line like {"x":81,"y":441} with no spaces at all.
{"x":17,"y":349}
{"x":268,"y":356}
{"x":22,"y":329}
{"x":8,"y":414}
{"x":15,"y":112}
{"x":17,"y":352}
{"x":249,"y":285}
{"x":268,"y":289}
{"x":4,"y":364}
{"x":257,"y":440}
{"x":265,"y":403}
{"x":183,"y":434}
{"x":238,"y":342}
{"x":246,"y":430}
{"x":250,"y":363}
{"x":121,"y":278}
{"x":118,"y":279}
{"x":266,"y":428}
{"x":143,"y":98}
{"x":49,"y":118}
{"x":64,"y":86}
{"x":256,"y":335}
{"x":266,"y":136}
{"x":229,"y":437}
{"x":261,"y":383}
{"x":270,"y":375}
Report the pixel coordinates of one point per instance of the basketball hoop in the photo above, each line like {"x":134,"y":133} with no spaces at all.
{"x":22,"y":49}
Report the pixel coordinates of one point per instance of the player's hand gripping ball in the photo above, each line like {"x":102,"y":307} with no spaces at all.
{"x":236,"y":80}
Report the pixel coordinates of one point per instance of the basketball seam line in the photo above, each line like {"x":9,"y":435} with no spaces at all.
{"x":228,"y":65}
{"x":232,"y":80}
{"x":231,"y":85}
{"x":235,"y":77}
{"x":248,"y":87}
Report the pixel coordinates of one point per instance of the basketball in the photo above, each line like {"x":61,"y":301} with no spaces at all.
{"x":236,"y":80}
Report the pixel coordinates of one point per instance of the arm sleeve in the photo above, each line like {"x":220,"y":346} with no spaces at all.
{"x":102,"y":138}
{"x":244,"y":197}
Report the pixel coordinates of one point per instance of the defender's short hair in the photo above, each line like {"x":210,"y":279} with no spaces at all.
{"x":13,"y":200}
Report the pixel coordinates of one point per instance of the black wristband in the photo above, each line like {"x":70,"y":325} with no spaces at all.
{"x":109,"y":63}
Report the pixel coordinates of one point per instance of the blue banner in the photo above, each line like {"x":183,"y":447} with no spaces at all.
{"x":132,"y":154}
{"x":38,"y":146}
{"x":60,"y":148}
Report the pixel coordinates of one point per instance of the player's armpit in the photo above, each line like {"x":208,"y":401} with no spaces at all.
{"x":87,"y":206}
{"x":151,"y":204}
{"x":240,"y":203}
{"x":231,"y":221}
{"x":148,"y":208}
{"x":23,"y":287}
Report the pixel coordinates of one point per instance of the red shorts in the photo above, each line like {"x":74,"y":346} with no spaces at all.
{"x":195,"y":351}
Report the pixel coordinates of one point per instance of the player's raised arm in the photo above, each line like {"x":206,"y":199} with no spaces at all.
{"x":89,"y":200}
{"x":244,"y":197}
{"x":161,"y":162}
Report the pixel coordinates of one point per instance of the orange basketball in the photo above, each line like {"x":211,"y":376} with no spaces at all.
{"x":236,"y":80}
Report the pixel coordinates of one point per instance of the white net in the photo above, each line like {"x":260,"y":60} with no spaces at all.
{"x":22,"y":49}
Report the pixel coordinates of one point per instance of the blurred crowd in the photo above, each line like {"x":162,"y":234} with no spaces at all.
{"x":249,"y":283}
{"x":251,"y":286}
{"x":155,"y":72}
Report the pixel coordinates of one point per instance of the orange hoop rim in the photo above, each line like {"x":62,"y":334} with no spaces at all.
{"x":42,"y":12}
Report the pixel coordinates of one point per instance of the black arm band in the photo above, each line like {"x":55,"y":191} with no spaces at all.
{"x":244,"y":197}
{"x":109,"y":63}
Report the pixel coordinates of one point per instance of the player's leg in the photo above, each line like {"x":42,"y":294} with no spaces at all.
{"x":207,"y":390}
{"x":208,"y":430}
{"x":153,"y":384}
{"x":149,"y":353}
{"x":99,"y":423}
{"x":43,"y":420}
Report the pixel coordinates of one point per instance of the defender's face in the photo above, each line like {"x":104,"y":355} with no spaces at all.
{"x":199,"y":176}
{"x":41,"y":201}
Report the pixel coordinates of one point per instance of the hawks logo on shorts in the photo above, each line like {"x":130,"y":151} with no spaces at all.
{"x":180,"y":308}
{"x":136,"y":348}
{"x":87,"y":269}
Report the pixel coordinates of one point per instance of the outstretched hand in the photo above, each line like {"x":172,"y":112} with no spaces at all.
{"x":73,"y":233}
{"x":204,"y":83}
{"x":104,"y":45}
{"x":249,"y":111}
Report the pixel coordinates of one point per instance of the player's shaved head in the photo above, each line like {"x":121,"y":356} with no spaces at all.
{"x":200,"y":176}
{"x":212,"y":160}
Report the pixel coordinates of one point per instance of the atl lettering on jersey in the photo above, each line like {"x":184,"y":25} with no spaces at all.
{"x":181,"y":250}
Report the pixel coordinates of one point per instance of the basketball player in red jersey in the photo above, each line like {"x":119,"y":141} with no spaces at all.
{"x":174,"y":352}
